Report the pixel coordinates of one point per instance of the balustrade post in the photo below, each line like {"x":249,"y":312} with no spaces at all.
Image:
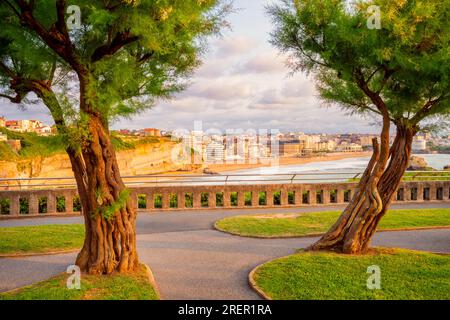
{"x":326,"y":196}
{"x":313,"y":196}
{"x":445,"y":192}
{"x":149,"y":200}
{"x":406,"y":192}
{"x":255,"y":198}
{"x":33,"y":204}
{"x":420,"y":192}
{"x":212,"y":200}
{"x":433,"y":191}
{"x":51,"y":203}
{"x":284,"y":197}
{"x":181,"y":200}
{"x":14,"y":205}
{"x":241,"y":199}
{"x":340,"y":195}
{"x":298,"y":196}
{"x":269,"y":198}
{"x":68,"y":202}
{"x":165,"y":200}
{"x":197,"y":201}
{"x":226,"y":199}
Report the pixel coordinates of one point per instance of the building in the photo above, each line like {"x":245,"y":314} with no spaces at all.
{"x":43,"y":130}
{"x":289,"y":148}
{"x":419,"y":144}
{"x":215,"y":152}
{"x":13,"y":125}
{"x":3,"y":137}
{"x":23,"y":125}
{"x":2,"y":122}
{"x":366,"y":141}
{"x":151,"y":132}
{"x":349,"y":147}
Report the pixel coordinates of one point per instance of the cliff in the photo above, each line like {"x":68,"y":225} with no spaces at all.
{"x":149,"y":158}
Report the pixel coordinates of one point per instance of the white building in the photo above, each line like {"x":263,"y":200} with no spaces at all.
{"x":43,"y":130}
{"x":419,"y":144}
{"x":215,"y":152}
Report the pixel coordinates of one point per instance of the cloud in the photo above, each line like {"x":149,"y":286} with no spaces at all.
{"x":222,"y":89}
{"x":33,"y":111}
{"x":263,"y":63}
{"x":234,"y":46}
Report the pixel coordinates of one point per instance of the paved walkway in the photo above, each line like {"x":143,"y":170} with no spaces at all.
{"x":190,"y":260}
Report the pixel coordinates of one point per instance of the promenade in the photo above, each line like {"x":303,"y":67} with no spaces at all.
{"x":192,"y":260}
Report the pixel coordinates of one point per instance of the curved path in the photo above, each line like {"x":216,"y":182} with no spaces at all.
{"x":191,"y":260}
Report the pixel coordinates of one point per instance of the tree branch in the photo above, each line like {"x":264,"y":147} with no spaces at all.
{"x":427,"y":108}
{"x":120,"y":40}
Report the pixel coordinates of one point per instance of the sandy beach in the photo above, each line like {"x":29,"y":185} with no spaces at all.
{"x":219,"y":168}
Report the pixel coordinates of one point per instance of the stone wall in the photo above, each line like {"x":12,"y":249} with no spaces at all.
{"x":33,"y":203}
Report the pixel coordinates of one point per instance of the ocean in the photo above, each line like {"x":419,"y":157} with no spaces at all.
{"x":436,"y":161}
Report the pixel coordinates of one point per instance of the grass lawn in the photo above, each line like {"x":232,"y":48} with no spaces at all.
{"x":292,"y":225}
{"x":114,"y":287}
{"x":320,"y":276}
{"x":41,"y":239}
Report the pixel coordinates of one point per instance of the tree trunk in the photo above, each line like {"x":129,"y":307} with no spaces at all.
{"x":109,"y":212}
{"x":353,"y":231}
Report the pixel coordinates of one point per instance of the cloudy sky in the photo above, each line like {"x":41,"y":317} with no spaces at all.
{"x":242,"y":84}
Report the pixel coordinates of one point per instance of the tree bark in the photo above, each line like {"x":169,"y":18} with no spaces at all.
{"x":353,"y":231}
{"x":109,"y":213}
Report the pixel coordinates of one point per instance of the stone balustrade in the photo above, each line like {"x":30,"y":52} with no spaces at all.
{"x":33,"y":203}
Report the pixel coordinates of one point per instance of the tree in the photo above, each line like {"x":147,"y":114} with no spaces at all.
{"x":120,"y":58}
{"x":399,"y":73}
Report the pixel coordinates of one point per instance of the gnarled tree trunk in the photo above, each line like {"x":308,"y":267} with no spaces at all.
{"x":353,"y":231}
{"x":109,"y":213}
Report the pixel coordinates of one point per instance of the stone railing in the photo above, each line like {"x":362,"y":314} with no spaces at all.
{"x":33,"y":203}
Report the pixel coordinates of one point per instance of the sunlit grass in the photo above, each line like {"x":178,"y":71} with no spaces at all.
{"x":291,"y":225}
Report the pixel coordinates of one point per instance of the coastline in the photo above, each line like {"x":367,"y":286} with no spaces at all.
{"x":283,"y":161}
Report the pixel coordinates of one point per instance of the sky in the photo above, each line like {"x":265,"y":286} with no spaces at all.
{"x":242,"y":84}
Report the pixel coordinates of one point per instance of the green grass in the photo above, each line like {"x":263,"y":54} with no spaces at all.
{"x":40,"y":239}
{"x":429,"y":175}
{"x":292,"y":225}
{"x":321,"y":276}
{"x":134,"y":286}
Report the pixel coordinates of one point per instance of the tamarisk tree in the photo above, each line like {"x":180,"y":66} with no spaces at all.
{"x":399,"y":73}
{"x":91,"y":62}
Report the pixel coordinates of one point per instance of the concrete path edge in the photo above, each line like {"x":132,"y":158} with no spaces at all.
{"x":253,"y":285}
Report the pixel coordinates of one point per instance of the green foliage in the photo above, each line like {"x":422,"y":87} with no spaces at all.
{"x":108,"y":212}
{"x":5,"y":206}
{"x":406,"y":62}
{"x":142,"y":202}
{"x":34,"y":145}
{"x":158,"y":46}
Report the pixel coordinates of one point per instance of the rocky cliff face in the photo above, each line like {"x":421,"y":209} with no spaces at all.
{"x":417,"y":164}
{"x":145,"y":159}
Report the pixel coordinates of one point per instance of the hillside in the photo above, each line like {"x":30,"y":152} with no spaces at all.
{"x":34,"y":145}
{"x":45,"y":157}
